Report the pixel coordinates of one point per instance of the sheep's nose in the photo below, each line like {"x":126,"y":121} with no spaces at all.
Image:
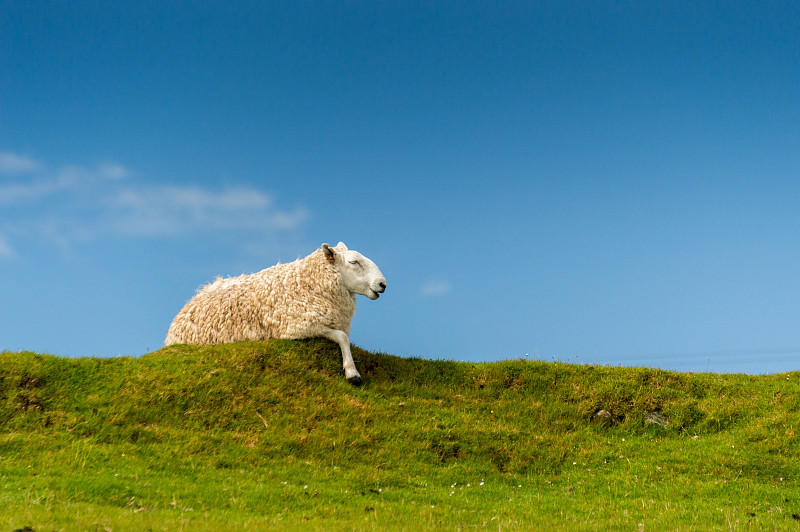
{"x":382,"y":284}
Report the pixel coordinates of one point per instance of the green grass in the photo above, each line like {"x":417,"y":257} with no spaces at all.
{"x":270,"y":435}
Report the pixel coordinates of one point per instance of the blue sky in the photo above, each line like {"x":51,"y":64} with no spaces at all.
{"x":609,"y":182}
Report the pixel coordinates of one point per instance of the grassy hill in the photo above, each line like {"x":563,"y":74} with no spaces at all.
{"x":271,"y":436}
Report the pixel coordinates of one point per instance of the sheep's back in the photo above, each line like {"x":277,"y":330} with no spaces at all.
{"x":293,"y":300}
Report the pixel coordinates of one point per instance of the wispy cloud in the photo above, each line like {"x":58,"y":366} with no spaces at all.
{"x":22,"y":192}
{"x":5,"y":249}
{"x":113,"y":170}
{"x":171,"y":210}
{"x":12,"y":163}
{"x":435,"y":288}
{"x":41,"y":182}
{"x":83,"y":203}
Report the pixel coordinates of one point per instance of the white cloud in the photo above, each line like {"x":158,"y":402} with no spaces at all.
{"x":13,"y":193}
{"x":32,"y":191}
{"x":5,"y":249}
{"x":171,"y":210}
{"x":12,"y":163}
{"x":84,"y":203}
{"x":435,"y":288}
{"x":113,"y":170}
{"x":68,"y":177}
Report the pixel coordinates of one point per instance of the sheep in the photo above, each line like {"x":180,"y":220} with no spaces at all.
{"x":310,"y":297}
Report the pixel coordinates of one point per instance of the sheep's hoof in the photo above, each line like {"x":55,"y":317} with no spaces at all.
{"x":355,"y":381}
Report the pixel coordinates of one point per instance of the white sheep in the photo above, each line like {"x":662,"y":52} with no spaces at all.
{"x":314,"y":296}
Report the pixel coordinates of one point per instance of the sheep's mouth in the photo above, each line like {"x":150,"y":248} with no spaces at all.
{"x":373,"y":295}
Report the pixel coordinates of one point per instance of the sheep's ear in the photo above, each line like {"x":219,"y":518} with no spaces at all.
{"x":329,"y":252}
{"x":341,"y":246}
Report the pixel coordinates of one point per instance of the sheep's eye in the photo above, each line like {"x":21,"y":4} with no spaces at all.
{"x":355,"y":262}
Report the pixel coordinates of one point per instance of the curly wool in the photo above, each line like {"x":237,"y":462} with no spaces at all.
{"x":295,"y":300}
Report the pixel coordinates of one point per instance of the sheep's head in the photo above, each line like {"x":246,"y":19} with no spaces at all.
{"x":359,"y":274}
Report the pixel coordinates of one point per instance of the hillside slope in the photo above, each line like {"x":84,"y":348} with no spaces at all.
{"x":260,"y":435}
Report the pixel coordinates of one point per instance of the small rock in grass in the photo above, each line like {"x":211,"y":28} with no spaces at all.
{"x":604,"y":417}
{"x":654,"y":418}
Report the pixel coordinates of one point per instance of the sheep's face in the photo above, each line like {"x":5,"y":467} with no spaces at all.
{"x":359,"y":274}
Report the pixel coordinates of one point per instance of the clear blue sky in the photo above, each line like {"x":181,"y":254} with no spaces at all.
{"x":610,"y":182}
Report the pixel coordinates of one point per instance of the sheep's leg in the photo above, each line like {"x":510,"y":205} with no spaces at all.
{"x":350,"y":371}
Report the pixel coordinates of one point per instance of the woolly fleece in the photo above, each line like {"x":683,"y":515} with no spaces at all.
{"x":300,"y":299}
